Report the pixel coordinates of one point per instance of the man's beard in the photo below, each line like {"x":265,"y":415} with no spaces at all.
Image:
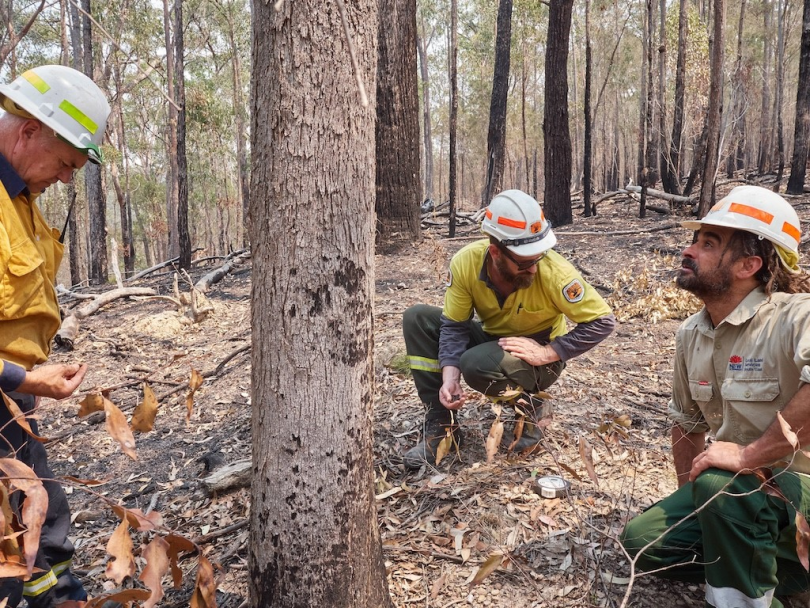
{"x":519,"y":280}
{"x":704,"y":284}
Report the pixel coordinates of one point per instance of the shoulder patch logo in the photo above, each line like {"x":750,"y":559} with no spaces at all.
{"x":574,"y":291}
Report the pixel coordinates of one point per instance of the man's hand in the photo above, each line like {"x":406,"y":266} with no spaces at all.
{"x":450,"y":394}
{"x":720,"y":455}
{"x":55,"y":381}
{"x":529,"y":350}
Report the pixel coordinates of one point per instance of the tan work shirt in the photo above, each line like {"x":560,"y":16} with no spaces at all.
{"x":731,"y":380}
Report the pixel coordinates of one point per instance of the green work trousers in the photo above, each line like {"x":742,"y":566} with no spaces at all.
{"x":724,"y":531}
{"x":485,"y":366}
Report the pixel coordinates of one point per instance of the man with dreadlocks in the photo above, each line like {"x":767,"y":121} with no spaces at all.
{"x":742,"y":373}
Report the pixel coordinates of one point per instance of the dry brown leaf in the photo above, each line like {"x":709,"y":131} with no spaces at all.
{"x":143,"y":419}
{"x":139,"y":520}
{"x":488,"y":567}
{"x":193,"y":384}
{"x":123,"y":597}
{"x":119,"y":547}
{"x":437,"y":586}
{"x":792,"y":438}
{"x":84,"y":482}
{"x":494,"y":439}
{"x":570,"y":470}
{"x":119,"y":430}
{"x":519,"y":424}
{"x":35,"y":505}
{"x":178,"y":544}
{"x":4,"y":602}
{"x":157,"y":565}
{"x":92,"y":402}
{"x":19,"y":417}
{"x":803,"y":541}
{"x":205,"y":588}
{"x":445,"y":445}
{"x":586,"y":453}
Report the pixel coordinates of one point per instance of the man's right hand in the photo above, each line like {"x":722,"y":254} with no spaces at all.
{"x":451,"y":394}
{"x":55,"y":381}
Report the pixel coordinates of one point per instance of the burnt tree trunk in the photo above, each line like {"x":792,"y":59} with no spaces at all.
{"x":453,"y":191}
{"x":421,"y":47}
{"x":398,"y":180}
{"x":556,"y":135}
{"x":672,"y":171}
{"x":314,"y":539}
{"x":798,"y":165}
{"x":586,"y":152}
{"x":183,"y":236}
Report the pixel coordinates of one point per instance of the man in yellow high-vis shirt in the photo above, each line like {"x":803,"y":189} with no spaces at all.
{"x":521,"y":292}
{"x":53,"y":123}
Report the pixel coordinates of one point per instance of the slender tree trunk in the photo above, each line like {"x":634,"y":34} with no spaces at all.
{"x":556,"y":134}
{"x":780,"y":94}
{"x":801,"y":136}
{"x":733,"y":159}
{"x":183,"y":235}
{"x":672,"y":172}
{"x":397,"y":135}
{"x":172,"y":193}
{"x":714,"y":115}
{"x":496,"y":136}
{"x":314,"y":539}
{"x":663,"y":145}
{"x":453,"y":112}
{"x":586,"y":156}
{"x":421,"y":47}
{"x":764,"y":157}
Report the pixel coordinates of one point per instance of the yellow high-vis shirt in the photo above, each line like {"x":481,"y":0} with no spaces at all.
{"x":558,"y":291}
{"x":30,"y":253}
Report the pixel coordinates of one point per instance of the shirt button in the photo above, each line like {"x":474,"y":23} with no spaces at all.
{"x":747,"y":394}
{"x":717,"y":347}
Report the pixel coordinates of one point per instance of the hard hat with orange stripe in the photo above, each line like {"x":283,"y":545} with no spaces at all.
{"x":65,"y":100}
{"x":517,"y":221}
{"x":757,"y":210}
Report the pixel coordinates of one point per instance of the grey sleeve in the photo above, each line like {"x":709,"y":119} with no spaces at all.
{"x":454,"y":338}
{"x":583,"y":337}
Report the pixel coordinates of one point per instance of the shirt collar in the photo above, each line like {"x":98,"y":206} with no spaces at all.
{"x":744,"y":311}
{"x":10,"y":179}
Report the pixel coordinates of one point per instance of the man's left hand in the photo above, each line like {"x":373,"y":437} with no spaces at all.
{"x":529,"y":350}
{"x":720,"y":455}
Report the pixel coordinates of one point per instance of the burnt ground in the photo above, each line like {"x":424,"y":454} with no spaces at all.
{"x":439,"y":527}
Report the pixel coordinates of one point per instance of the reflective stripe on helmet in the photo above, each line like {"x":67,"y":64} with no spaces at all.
{"x":36,"y":82}
{"x":505,"y":221}
{"x":764,"y":217}
{"x":79,"y":116}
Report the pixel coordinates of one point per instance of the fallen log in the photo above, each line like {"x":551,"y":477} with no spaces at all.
{"x":234,"y":475}
{"x":70,"y":324}
{"x":672,"y":198}
{"x":216,"y":275}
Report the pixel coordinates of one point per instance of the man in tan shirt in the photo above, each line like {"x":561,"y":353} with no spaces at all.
{"x":741,"y":360}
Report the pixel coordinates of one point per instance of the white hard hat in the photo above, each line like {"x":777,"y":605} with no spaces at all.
{"x":757,"y":210}
{"x":517,"y":221}
{"x":65,"y":100}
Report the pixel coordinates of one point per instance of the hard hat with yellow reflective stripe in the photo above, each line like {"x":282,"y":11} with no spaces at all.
{"x":65,"y":100}
{"x":758,"y":210}
{"x":517,"y":221}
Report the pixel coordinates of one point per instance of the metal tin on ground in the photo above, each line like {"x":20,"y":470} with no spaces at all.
{"x":551,"y":486}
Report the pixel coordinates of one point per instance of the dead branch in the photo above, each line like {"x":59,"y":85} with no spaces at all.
{"x":234,"y":475}
{"x":233,"y":260}
{"x":618,"y":232}
{"x":672,"y":198}
{"x":70,"y":324}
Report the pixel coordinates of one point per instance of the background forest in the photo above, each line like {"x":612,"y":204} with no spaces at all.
{"x":178,"y":75}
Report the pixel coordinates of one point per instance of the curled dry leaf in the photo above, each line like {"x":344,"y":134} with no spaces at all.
{"x":205,"y":588}
{"x":124,"y":597}
{"x":177,"y":545}
{"x":494,"y":439}
{"x":19,"y":417}
{"x":138,"y":519}
{"x":193,"y":384}
{"x":157,"y":565}
{"x":521,"y":421}
{"x":119,"y":430}
{"x":92,"y":402}
{"x":586,"y":453}
{"x":84,"y":482}
{"x":491,"y":564}
{"x":803,"y":541}
{"x":143,"y":419}
{"x":792,"y":438}
{"x":119,"y":547}
{"x":35,"y":505}
{"x":445,"y":445}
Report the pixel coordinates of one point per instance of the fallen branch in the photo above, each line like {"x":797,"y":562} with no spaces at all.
{"x":234,"y":260}
{"x":70,"y":324}
{"x":234,"y":475}
{"x":672,"y":198}
{"x":618,"y":232}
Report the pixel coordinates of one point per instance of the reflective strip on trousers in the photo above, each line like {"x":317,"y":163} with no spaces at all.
{"x":423,"y":364}
{"x":46,"y":581}
{"x":720,"y":597}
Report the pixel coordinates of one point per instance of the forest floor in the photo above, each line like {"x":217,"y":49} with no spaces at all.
{"x":441,"y":528}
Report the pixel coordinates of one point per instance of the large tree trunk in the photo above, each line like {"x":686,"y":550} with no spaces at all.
{"x":801,"y":137}
{"x":183,"y":236}
{"x":92,"y":174}
{"x":715,"y":111}
{"x":453,"y":114}
{"x":496,"y":136}
{"x":556,"y":136}
{"x":421,"y":46}
{"x":314,"y":539}
{"x":397,"y":135}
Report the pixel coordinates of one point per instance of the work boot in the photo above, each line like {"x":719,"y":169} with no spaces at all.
{"x":536,"y":415}
{"x":424,"y":452}
{"x":529,"y":441}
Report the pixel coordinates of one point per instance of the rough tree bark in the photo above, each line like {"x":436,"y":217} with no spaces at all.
{"x":171,"y":139}
{"x":314,"y":539}
{"x":421,"y":47}
{"x":735,"y":158}
{"x":496,"y":136}
{"x":452,"y":171}
{"x":801,"y":137}
{"x":764,"y":158}
{"x":556,"y":136}
{"x":183,"y":235}
{"x":714,"y":114}
{"x":672,"y":171}
{"x":397,"y":135}
{"x":586,"y":152}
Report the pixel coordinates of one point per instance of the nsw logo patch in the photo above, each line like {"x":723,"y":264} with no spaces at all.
{"x":574,"y":291}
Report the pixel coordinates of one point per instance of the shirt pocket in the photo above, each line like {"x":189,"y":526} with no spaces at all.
{"x":22,"y":281}
{"x":752,"y":405}
{"x":702,"y":392}
{"x":751,"y":389}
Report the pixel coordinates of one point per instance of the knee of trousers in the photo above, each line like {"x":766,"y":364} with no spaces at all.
{"x":481,"y":372}
{"x":419,"y":318}
{"x":727,"y":492}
